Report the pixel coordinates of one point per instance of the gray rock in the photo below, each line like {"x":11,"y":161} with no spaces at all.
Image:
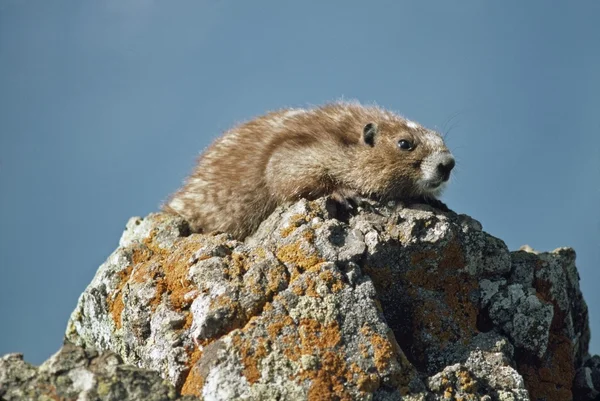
{"x":523,"y":317}
{"x":587,"y":380}
{"x":387,"y":302}
{"x":77,"y":374}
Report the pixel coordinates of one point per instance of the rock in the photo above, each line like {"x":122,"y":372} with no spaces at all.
{"x":77,"y":374}
{"x":587,"y":380}
{"x":384,"y":303}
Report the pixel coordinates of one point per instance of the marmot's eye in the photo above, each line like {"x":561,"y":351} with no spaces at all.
{"x":404,"y":144}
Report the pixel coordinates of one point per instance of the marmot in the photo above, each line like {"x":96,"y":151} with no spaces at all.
{"x":341,"y":149}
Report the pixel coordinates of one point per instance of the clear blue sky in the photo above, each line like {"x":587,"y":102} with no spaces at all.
{"x":104,"y":106}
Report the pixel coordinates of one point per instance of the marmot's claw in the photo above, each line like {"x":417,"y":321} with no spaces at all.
{"x":349,"y":201}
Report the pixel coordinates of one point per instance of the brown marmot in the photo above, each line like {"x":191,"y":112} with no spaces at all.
{"x":342,"y":149}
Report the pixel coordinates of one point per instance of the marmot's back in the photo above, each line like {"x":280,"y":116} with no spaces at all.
{"x":341,"y":149}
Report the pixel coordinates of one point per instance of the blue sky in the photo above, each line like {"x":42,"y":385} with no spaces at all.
{"x":104,"y":106}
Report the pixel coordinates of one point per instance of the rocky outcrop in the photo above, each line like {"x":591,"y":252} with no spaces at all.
{"x":385,"y":303}
{"x":77,"y":374}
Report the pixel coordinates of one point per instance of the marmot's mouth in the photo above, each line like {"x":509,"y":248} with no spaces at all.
{"x":432,"y":187}
{"x":434,"y":184}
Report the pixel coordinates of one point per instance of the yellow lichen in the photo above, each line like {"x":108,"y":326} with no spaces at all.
{"x":295,"y":221}
{"x":438,"y":272}
{"x":295,"y":255}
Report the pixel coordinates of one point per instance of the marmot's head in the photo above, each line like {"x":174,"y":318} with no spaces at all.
{"x":405,"y":158}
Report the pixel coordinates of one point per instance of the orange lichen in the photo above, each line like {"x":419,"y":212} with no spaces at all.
{"x":385,"y":348}
{"x":333,"y":281}
{"x":295,"y":255}
{"x":326,"y":382}
{"x":139,"y":258}
{"x":300,"y":289}
{"x":189,"y":319}
{"x":551,"y":379}
{"x":275,"y":328}
{"x":448,"y":313}
{"x":329,"y":374}
{"x":452,"y":256}
{"x":168,"y":270}
{"x":457,"y":322}
{"x":329,"y":379}
{"x":366,"y":382}
{"x":382,"y":351}
{"x":314,"y":335}
{"x":364,"y":350}
{"x":193,"y":382}
{"x":115,"y":303}
{"x":295,"y":221}
{"x":238,"y":265}
{"x":277,"y":278}
{"x":318,"y":340}
{"x":251,"y":352}
{"x":454,"y":285}
{"x":308,"y":285}
{"x":309,"y":235}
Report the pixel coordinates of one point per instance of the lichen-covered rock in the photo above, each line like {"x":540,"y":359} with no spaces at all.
{"x":225,"y":320}
{"x":587,"y":380}
{"x":487,"y":370}
{"x":77,"y":374}
{"x":386,"y":303}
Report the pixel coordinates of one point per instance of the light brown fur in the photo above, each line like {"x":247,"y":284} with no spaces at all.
{"x":290,"y":154}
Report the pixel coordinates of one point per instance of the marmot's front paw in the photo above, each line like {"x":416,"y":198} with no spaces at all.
{"x":349,"y":200}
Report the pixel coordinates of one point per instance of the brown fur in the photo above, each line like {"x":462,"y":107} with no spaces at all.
{"x":290,"y":154}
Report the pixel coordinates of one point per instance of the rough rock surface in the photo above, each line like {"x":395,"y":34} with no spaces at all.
{"x":76,"y":374}
{"x":386,"y":303}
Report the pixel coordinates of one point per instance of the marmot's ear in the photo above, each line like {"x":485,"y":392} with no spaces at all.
{"x":369,"y":132}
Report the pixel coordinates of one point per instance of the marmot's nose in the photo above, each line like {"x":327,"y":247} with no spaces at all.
{"x":446,"y":166}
